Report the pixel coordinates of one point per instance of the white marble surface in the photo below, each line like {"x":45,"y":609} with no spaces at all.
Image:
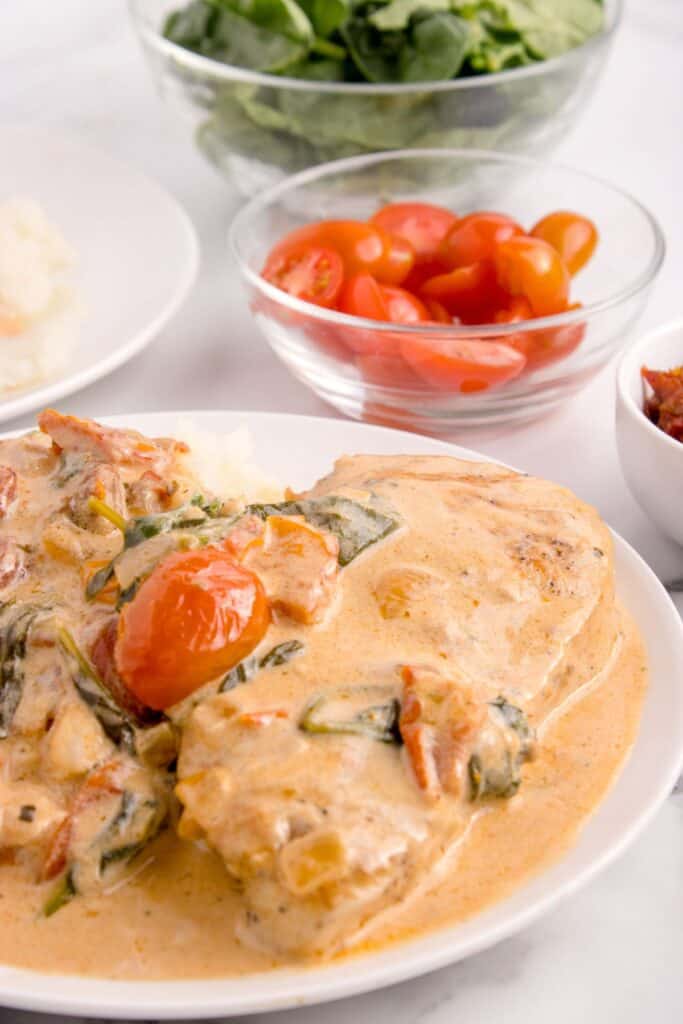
{"x":614,"y":952}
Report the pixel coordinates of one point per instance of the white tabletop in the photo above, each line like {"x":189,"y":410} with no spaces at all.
{"x":611,"y":954}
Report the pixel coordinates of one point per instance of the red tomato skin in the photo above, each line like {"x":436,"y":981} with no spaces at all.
{"x":475,"y":238}
{"x":364,"y":248}
{"x":363,"y":296}
{"x":311,"y":273}
{"x":421,"y":224}
{"x":541,"y":348}
{"x":437,"y":312}
{"x":533,"y":269}
{"x":400,"y":261}
{"x":470,"y":293}
{"x":195,"y":616}
{"x":403,"y":307}
{"x":465,"y":365}
{"x":390,"y":371}
{"x":573,"y":236}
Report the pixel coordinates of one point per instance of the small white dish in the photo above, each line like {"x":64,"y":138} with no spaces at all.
{"x":137,"y":251}
{"x":298,"y":449}
{"x":651,"y":460}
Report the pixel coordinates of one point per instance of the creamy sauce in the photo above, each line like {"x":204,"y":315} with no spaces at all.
{"x":177,"y":917}
{"x":335,"y":841}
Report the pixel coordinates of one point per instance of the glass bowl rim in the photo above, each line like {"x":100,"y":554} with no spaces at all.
{"x":266,"y":197}
{"x":233,"y":73}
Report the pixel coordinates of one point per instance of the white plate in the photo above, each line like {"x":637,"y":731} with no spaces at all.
{"x":298,"y":449}
{"x":136,"y":247}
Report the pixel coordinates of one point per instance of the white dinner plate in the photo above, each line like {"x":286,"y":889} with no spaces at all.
{"x":137,"y":251}
{"x":298,"y":449}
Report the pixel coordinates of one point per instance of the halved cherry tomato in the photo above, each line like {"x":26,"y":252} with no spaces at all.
{"x":452,"y":364}
{"x":400,"y":261}
{"x":475,"y":238}
{"x":195,"y":616}
{"x":470,"y":293}
{"x":310,"y":273}
{"x":390,"y":371}
{"x":540,"y":348}
{"x":403,"y":307}
{"x":573,"y":236}
{"x":363,"y":296}
{"x":438,"y":312}
{"x":421,"y":224}
{"x":364,"y":248}
{"x":516,"y":312}
{"x":532,"y":268}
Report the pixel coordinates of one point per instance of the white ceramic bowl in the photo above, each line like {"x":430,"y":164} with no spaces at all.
{"x":651,"y":460}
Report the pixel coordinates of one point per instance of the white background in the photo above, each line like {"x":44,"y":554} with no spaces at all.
{"x":614,"y":953}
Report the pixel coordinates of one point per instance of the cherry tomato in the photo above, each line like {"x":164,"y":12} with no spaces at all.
{"x":516,"y":312}
{"x":364,"y":248}
{"x":421,"y":224}
{"x":453,"y":364}
{"x":540,"y":348}
{"x":424,"y":227}
{"x":403,"y":307}
{"x":470,"y":293}
{"x":438,"y":312}
{"x":388,"y":371}
{"x":532,"y":268}
{"x":400,"y":261}
{"x":311,"y":273}
{"x":475,"y":238}
{"x":363,"y":296}
{"x":195,"y":616}
{"x":573,"y":236}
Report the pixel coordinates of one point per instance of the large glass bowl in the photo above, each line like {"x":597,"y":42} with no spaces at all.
{"x":256,"y":128}
{"x":327,"y":350}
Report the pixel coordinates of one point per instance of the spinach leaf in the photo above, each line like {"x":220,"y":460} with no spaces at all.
{"x":326,"y":16}
{"x":281,"y":654}
{"x":117,"y":725}
{"x":495,"y":766}
{"x":355,"y":526}
{"x":62,"y":894}
{"x":132,"y":828}
{"x":14,"y":634}
{"x":248,"y":668}
{"x":378,"y":721}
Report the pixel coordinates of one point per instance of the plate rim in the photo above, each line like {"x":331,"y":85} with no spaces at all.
{"x":178,"y":999}
{"x":54,"y":390}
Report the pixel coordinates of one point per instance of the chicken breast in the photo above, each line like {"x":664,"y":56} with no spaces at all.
{"x":335,"y":782}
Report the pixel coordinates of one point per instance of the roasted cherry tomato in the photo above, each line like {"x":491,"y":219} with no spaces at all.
{"x":364,"y":248}
{"x":475,"y":238}
{"x":452,"y":364}
{"x":532,"y":268}
{"x":470,"y":293}
{"x":574,"y":237}
{"x":403,"y":307}
{"x":311,"y":273}
{"x":195,"y":616}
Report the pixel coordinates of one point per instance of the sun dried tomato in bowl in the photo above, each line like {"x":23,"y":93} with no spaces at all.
{"x":664,"y":404}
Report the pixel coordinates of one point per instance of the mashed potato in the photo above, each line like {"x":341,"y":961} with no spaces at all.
{"x":40,"y":313}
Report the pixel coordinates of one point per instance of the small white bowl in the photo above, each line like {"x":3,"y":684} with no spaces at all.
{"x":651,"y":460}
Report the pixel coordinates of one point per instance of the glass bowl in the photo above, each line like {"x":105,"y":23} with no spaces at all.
{"x":256,"y":128}
{"x":329,"y":351}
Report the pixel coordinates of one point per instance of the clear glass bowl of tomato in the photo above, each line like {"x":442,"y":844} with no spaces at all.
{"x":257,"y":128}
{"x":505,"y":361}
